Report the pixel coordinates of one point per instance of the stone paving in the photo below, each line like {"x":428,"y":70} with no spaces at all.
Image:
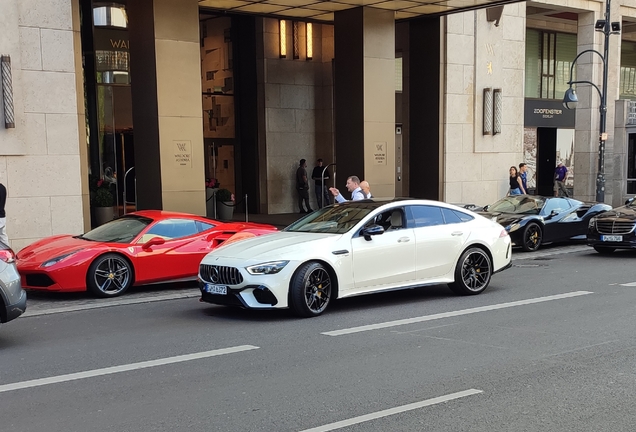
{"x":44,"y":303}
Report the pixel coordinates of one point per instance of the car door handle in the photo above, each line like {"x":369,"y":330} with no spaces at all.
{"x":404,"y":239}
{"x":457,"y":233}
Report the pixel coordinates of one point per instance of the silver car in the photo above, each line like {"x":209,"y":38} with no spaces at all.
{"x":12,"y":297}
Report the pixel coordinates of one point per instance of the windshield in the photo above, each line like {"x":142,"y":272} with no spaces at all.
{"x":520,"y":204}
{"x":122,"y":230}
{"x":336,"y":219}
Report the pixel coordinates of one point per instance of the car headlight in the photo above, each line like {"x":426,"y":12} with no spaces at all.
{"x":592,"y":223}
{"x":513,"y":227}
{"x":271,"y":267}
{"x":56,"y":260}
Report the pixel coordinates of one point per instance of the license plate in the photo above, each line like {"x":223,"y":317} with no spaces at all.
{"x":612,"y":238}
{"x":215,"y":289}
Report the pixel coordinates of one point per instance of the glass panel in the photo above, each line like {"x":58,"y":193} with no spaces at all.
{"x":631,"y":157}
{"x":110,"y":16}
{"x":533,"y":63}
{"x":426,"y":216}
{"x":628,"y":70}
{"x":566,"y":50}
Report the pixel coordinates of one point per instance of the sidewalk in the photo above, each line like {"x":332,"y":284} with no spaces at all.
{"x":280,"y":221}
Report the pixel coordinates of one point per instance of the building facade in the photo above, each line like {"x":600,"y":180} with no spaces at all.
{"x":158,"y":99}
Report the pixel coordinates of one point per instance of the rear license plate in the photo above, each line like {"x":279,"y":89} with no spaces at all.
{"x":612,"y":238}
{"x":215,"y":289}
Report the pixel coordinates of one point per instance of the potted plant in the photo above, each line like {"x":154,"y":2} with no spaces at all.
{"x":103,"y":202}
{"x":224,"y":204}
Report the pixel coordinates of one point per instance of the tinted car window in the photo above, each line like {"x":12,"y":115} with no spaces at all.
{"x":558,"y":204}
{"x":173,"y":228}
{"x":203,"y":226}
{"x":454,"y":216}
{"x":424,"y":216}
{"x":122,"y":230}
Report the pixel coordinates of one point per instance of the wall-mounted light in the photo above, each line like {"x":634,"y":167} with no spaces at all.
{"x":309,"y":29}
{"x":295,"y":41}
{"x":487,"y":111}
{"x":497,"y":111}
{"x":282,"y":26}
{"x":7,"y":91}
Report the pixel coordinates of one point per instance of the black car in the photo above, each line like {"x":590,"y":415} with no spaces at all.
{"x":614,"y":229}
{"x":535,"y":220}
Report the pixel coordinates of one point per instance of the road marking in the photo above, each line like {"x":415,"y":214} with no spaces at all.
{"x":454,"y":313}
{"x":123,"y":368}
{"x":392,"y":411}
{"x":102,"y":303}
{"x":629,"y":284}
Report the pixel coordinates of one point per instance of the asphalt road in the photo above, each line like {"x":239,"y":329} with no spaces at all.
{"x":548,"y":347}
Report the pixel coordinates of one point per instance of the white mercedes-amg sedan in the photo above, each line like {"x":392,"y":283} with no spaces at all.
{"x":354,"y":248}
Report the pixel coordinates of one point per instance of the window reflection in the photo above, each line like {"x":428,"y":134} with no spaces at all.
{"x":112,"y":15}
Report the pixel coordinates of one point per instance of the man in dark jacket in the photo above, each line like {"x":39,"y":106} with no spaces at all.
{"x":3,"y":217}
{"x":302,"y":186}
{"x":322,"y":194}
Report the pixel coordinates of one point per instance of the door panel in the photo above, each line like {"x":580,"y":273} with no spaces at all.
{"x":437,"y":249}
{"x":387,"y":260}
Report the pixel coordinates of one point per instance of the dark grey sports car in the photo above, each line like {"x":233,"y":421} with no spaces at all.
{"x":614,"y":229}
{"x":535,"y":220}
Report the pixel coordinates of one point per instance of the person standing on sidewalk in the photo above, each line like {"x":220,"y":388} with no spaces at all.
{"x":322,"y":196}
{"x":302,"y":186}
{"x":523,"y":173}
{"x":560,"y":174}
{"x":3,"y":217}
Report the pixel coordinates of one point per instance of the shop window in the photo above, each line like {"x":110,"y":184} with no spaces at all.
{"x":631,"y":164}
{"x":549,"y":56}
{"x":628,"y":70}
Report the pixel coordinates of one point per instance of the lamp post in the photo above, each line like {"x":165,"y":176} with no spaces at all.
{"x":570,"y":99}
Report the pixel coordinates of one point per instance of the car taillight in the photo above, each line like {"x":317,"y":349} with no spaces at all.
{"x":504,"y":233}
{"x":7,"y":255}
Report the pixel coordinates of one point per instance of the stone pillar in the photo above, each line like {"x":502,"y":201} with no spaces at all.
{"x":590,"y":67}
{"x":365,"y":98}
{"x":167,"y":109}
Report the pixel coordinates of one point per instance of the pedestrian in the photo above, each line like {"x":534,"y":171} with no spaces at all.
{"x":322,"y":195}
{"x":516,"y":187}
{"x":560,"y":174}
{"x":302,"y":186}
{"x":353,"y":186}
{"x":523,"y":173}
{"x":366,"y":189}
{"x":3,"y":217}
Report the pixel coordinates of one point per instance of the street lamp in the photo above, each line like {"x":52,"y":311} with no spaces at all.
{"x":570,"y":99}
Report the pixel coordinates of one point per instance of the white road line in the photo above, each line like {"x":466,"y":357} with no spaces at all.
{"x":123,"y":368}
{"x":629,"y":284}
{"x":102,"y":303}
{"x":392,"y":411}
{"x":454,"y":313}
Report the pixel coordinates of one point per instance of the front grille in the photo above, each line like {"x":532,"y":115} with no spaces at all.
{"x":614,"y":226}
{"x":220,"y":274}
{"x":38,"y":280}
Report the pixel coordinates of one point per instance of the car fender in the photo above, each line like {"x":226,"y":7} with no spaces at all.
{"x":595,"y":210}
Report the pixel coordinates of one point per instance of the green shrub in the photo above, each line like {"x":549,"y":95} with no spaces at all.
{"x":223,"y":195}
{"x":103,"y":198}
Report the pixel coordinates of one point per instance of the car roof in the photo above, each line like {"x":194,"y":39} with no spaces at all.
{"x":376,"y":203}
{"x":162,"y":214}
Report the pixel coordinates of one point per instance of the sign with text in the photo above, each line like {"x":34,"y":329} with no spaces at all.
{"x":379,"y":153}
{"x":547,"y":113}
{"x":183,"y":154}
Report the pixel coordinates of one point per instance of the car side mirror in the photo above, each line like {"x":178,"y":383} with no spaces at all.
{"x":629,"y":201}
{"x":553,"y":213}
{"x":485,"y":208}
{"x":372,"y":230}
{"x":155,"y":241}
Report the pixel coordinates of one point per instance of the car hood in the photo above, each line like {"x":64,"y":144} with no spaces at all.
{"x":504,"y":219}
{"x":277,"y":245}
{"x":624,"y":213}
{"x":52,"y":247}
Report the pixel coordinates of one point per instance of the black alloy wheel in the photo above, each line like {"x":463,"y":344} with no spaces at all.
{"x":310,"y":290}
{"x":532,"y":237}
{"x":110,"y":275}
{"x":604,"y":250}
{"x":472,"y":273}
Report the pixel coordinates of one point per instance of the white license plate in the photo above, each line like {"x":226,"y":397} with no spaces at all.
{"x":215,"y":289}
{"x":612,"y":238}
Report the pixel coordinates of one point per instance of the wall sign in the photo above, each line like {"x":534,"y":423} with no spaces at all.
{"x":547,"y":113}
{"x":379,"y":153}
{"x":183,"y":154}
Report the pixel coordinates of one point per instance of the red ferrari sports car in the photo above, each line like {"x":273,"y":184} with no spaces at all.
{"x":139,"y":248}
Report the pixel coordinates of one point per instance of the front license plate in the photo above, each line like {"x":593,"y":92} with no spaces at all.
{"x":215,"y":289}
{"x":612,"y":238}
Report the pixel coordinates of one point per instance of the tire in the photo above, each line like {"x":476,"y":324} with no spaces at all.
{"x":604,"y":250}
{"x":110,"y":275}
{"x":532,"y":237}
{"x":310,"y":290}
{"x":472,"y":273}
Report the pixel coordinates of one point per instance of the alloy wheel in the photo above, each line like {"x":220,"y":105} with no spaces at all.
{"x":533,"y":237}
{"x":112,"y":276}
{"x":317,"y":290}
{"x":476,"y":271}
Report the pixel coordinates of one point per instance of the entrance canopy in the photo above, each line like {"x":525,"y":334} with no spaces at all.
{"x":323,"y":10}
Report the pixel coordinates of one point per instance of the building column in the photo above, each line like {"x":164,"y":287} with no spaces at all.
{"x":589,"y":67}
{"x":165,"y":70}
{"x":364,"y":81}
